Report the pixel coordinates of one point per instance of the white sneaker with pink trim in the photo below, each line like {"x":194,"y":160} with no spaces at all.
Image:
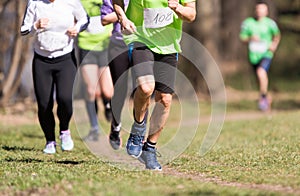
{"x":50,"y":148}
{"x":67,"y":143}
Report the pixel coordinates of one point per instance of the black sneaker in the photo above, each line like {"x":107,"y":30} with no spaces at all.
{"x":114,"y":137}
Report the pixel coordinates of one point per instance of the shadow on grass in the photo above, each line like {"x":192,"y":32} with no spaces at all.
{"x":33,"y":160}
{"x":33,"y":135}
{"x":17,"y":148}
{"x":25,"y":160}
{"x":288,"y":104}
{"x":67,"y":162}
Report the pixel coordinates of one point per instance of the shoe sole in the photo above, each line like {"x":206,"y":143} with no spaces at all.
{"x":49,"y":153}
{"x":156,"y":169}
{"x":143,"y":162}
{"x":69,"y":149}
{"x":116,"y":145}
{"x":134,"y":156}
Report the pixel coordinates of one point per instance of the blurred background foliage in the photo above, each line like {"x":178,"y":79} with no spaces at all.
{"x":217,"y":27}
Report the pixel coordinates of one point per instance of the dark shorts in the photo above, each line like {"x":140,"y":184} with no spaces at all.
{"x":265,"y":63}
{"x":119,"y":63}
{"x":99,"y":58}
{"x":161,"y":66}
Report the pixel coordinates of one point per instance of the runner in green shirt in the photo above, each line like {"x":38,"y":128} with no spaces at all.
{"x":153,"y":31}
{"x":93,"y":44}
{"x":262,"y":36}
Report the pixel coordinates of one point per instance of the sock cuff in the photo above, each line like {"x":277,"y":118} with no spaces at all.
{"x":65,"y":131}
{"x":150,"y":144}
{"x":263,"y":95}
{"x":143,"y":121}
{"x":117,"y":128}
{"x":51,"y":142}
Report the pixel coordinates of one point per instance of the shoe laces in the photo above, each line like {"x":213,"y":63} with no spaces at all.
{"x":153,"y":154}
{"x":65,"y":137}
{"x":136,"y":139}
{"x":154,"y":151}
{"x":50,"y":145}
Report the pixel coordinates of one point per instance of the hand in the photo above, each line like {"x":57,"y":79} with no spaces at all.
{"x":72,"y":31}
{"x":273,"y":47}
{"x":255,"y":38}
{"x":128,"y":27}
{"x":42,"y":23}
{"x":173,"y":4}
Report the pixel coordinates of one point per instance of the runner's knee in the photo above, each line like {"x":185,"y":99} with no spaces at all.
{"x":166,"y":100}
{"x":146,"y":84}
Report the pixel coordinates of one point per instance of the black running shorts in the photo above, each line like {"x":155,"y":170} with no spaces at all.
{"x":161,"y":66}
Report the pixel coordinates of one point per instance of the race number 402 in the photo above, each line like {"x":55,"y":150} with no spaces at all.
{"x":157,"y":17}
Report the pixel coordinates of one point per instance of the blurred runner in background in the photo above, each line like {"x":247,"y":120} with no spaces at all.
{"x":94,"y":68}
{"x":262,"y":36}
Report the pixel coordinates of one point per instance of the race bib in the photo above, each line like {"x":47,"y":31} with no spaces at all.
{"x":258,"y":46}
{"x":157,"y":17}
{"x":52,"y":41}
{"x":95,"y":25}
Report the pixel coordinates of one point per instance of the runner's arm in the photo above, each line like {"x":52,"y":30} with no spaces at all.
{"x":82,"y":18}
{"x":109,"y":18}
{"x":275,"y":43}
{"x":186,"y":12}
{"x":128,"y":26}
{"x":108,"y":14}
{"x":29,"y":20}
{"x":119,"y":9}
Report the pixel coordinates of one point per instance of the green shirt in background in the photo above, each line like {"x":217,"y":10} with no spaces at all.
{"x":265,"y":29}
{"x":96,"y":36}
{"x":158,"y":27}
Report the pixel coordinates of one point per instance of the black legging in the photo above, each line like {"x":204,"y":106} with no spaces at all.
{"x":119,"y":65}
{"x":58,"y":73}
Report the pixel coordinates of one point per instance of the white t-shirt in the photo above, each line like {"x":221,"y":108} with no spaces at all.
{"x":53,"y":41}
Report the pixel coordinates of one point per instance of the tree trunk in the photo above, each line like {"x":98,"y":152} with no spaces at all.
{"x":18,"y":55}
{"x":205,"y":29}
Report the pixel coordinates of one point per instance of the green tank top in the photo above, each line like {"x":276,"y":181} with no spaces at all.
{"x":158,"y":27}
{"x":96,"y":36}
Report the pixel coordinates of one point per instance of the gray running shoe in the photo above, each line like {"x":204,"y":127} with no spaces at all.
{"x":135,"y":141}
{"x":149,"y":158}
{"x":92,"y":136}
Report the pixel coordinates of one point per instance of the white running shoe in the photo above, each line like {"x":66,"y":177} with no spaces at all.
{"x":67,"y":143}
{"x":50,"y":148}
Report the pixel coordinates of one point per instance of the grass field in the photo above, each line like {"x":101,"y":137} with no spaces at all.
{"x":255,"y":154}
